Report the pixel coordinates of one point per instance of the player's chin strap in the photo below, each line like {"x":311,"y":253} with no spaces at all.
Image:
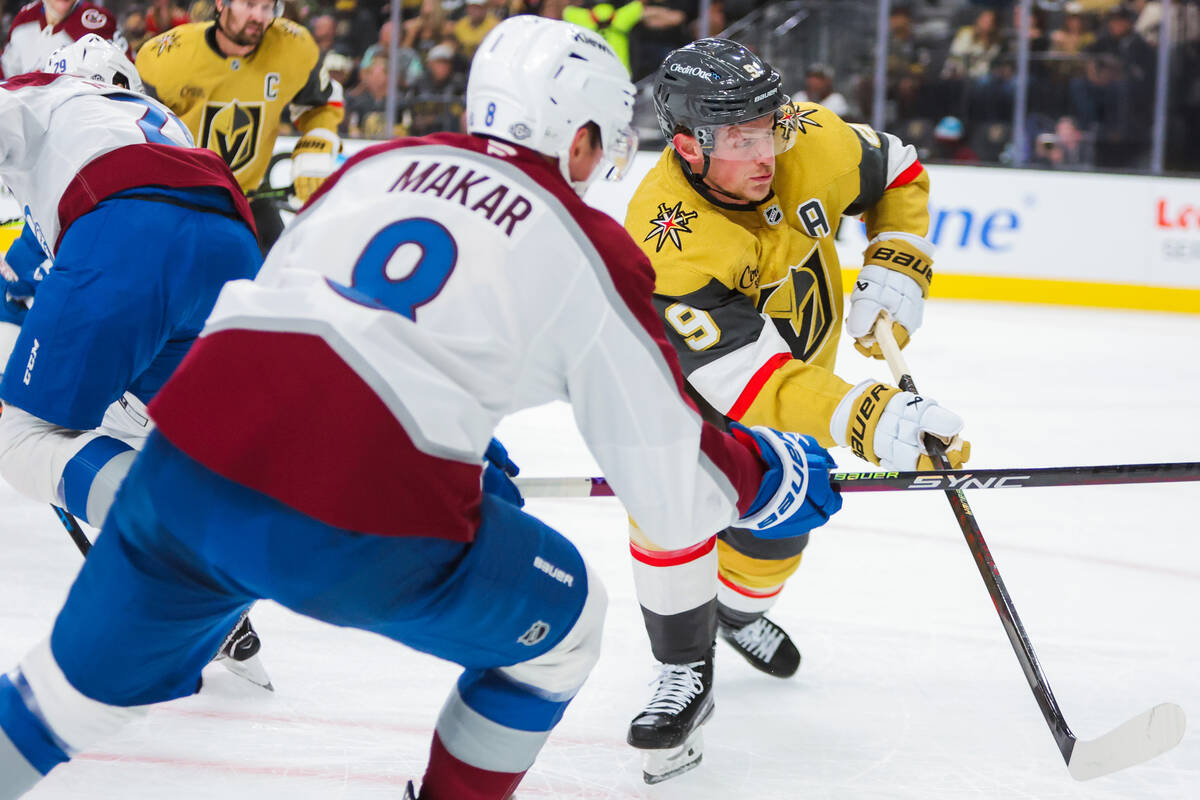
{"x":705,"y":185}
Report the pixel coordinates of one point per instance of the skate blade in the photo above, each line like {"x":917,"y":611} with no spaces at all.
{"x":251,"y":670}
{"x":661,"y":765}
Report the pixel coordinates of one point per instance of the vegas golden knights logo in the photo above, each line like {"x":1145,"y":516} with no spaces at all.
{"x":231,"y":131}
{"x":801,"y":306}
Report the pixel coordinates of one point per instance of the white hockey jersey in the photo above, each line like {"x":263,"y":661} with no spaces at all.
{"x":32,"y":39}
{"x":65,"y":145}
{"x":431,"y":287}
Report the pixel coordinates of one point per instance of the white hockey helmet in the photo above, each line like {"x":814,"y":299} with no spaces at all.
{"x":536,"y":81}
{"x":97,"y":59}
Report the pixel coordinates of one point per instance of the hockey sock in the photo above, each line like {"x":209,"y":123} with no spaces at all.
{"x":90,"y":479}
{"x":448,"y":778}
{"x":28,"y":748}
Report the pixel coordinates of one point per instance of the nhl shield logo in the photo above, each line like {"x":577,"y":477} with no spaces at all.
{"x":231,"y":131}
{"x":773,"y":214}
{"x":537,"y":631}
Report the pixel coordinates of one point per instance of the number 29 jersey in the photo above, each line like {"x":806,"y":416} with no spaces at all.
{"x":68,"y":143}
{"x":430,"y":288}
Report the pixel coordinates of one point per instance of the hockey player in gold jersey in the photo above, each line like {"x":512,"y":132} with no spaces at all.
{"x":738,"y":218}
{"x":230,"y":81}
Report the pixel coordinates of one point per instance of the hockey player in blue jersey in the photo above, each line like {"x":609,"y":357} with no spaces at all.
{"x":130,"y":233}
{"x":321,"y":444}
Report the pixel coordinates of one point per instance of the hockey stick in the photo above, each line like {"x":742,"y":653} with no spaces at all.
{"x":73,"y":530}
{"x":1147,"y":735}
{"x":924,"y":480}
{"x":282,"y":193}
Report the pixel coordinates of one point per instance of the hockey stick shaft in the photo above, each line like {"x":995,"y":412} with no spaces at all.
{"x":1013,"y":627}
{"x":73,"y":530}
{"x":282,"y":193}
{"x":925,"y":480}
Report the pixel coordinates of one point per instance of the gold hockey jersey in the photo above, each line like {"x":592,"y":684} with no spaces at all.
{"x":233,"y":105}
{"x":751,"y":294}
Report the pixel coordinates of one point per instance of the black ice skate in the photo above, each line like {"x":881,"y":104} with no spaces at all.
{"x":668,"y":728}
{"x":409,"y":792}
{"x":765,"y":645}
{"x":239,"y":654}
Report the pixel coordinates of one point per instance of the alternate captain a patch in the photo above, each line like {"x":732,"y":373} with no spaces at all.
{"x":669,"y":223}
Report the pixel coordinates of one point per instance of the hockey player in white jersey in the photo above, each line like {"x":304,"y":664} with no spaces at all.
{"x":333,"y":416}
{"x":43,"y":26}
{"x":142,"y":229}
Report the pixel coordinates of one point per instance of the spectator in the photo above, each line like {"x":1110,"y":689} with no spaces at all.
{"x":1185,"y":21}
{"x":470,"y":29}
{"x":428,"y":29}
{"x":503,"y":9}
{"x":202,"y":11}
{"x":906,"y":56}
{"x":949,"y":143}
{"x":818,"y":88}
{"x":164,"y":15}
{"x":324,"y":31}
{"x":551,"y":9}
{"x":1113,"y":100}
{"x":1073,"y":37}
{"x":612,"y":22}
{"x":134,"y":28}
{"x":366,"y":106}
{"x":408,"y":67}
{"x":438,"y":99}
{"x":974,"y":48}
{"x":1067,"y":146}
{"x":666,"y":26}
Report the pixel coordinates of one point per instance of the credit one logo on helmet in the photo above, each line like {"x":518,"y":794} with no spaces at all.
{"x":696,"y":72}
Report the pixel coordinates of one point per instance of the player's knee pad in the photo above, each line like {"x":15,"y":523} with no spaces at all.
{"x":76,"y":721}
{"x":561,"y":670}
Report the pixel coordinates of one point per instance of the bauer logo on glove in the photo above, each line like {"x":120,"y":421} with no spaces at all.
{"x":313,"y":160}
{"x":895,"y":279}
{"x":887,"y":426}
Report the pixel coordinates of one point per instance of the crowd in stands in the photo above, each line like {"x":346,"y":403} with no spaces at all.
{"x":951,"y":71}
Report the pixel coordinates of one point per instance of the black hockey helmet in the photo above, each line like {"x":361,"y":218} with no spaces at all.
{"x":711,"y":83}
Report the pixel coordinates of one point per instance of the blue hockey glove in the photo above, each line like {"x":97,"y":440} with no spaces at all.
{"x":498,"y":472}
{"x":23,"y":266}
{"x":13,"y":311}
{"x":795,"y":495}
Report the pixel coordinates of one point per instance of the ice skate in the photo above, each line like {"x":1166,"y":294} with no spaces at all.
{"x":239,"y":654}
{"x":765,"y":645}
{"x":668,"y":728}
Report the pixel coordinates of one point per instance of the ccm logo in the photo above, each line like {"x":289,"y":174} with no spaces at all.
{"x":29,"y":364}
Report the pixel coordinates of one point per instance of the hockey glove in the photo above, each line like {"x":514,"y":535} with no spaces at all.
{"x":886,"y":426}
{"x":313,"y":160}
{"x":895,"y":278}
{"x":16,"y":293}
{"x":795,"y":495}
{"x":498,"y":472}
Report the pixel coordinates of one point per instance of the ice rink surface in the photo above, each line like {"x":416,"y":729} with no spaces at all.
{"x":908,"y":688}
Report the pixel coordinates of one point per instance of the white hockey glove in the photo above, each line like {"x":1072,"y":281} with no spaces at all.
{"x":886,"y":426}
{"x":895,"y":278}
{"x":796,"y":495}
{"x":314,"y":159}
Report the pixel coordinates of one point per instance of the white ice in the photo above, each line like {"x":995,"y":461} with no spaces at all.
{"x":908,"y":689}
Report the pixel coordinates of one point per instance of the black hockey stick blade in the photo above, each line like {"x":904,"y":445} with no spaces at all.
{"x":73,"y":530}
{"x":1147,"y":735}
